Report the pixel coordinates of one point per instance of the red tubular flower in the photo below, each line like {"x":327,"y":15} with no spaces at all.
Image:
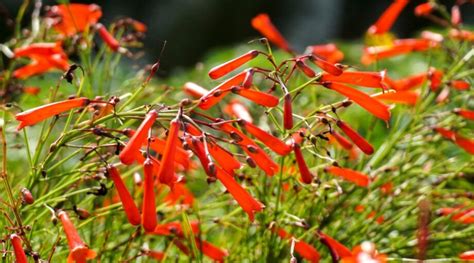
{"x":266,"y":138}
{"x":424,"y":9}
{"x":296,"y":137}
{"x":436,"y":77}
{"x":459,"y":84}
{"x":358,"y":140}
{"x":194,"y":90}
{"x":158,"y":255}
{"x":129,"y":153}
{"x":216,"y":94}
{"x":408,"y":82}
{"x":467,"y":114}
{"x":20,"y":255}
{"x":365,"y":252}
{"x":224,"y":158}
{"x":79,"y":252}
{"x":358,"y":78}
{"x":211,"y":251}
{"x":301,"y":65}
{"x":466,"y":144}
{"x":149,"y":220}
{"x":304,"y":249}
{"x":374,"y":106}
{"x":338,"y":250}
{"x":245,"y":200}
{"x":166,"y":172}
{"x":224,"y":69}
{"x":399,"y":47}
{"x":346,"y":144}
{"x":236,"y":109}
{"x":131,"y":210}
{"x":38,"y":114}
{"x":108,"y":39}
{"x":458,"y":214}
{"x":326,"y":66}
{"x":329,"y":52}
{"x":467,"y":255}
{"x":179,"y":194}
{"x":44,"y":56}
{"x":388,"y":17}
{"x":261,"y":98}
{"x":456,"y":15}
{"x":306,"y":175}
{"x":264,"y":25}
{"x":287,"y":112}
{"x":158,"y":145}
{"x":404,"y":97}
{"x":74,"y":18}
{"x":462,"y":35}
{"x":253,"y":150}
{"x":358,"y":178}
{"x":175,"y":228}
{"x":31,"y":90}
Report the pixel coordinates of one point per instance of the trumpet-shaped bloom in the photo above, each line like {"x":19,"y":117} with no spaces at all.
{"x":356,"y":177}
{"x":266,"y":138}
{"x":74,"y":18}
{"x":398,"y":47}
{"x":149,"y":220}
{"x":337,"y":250}
{"x":236,"y":109}
{"x":166,"y":173}
{"x":403,"y":97}
{"x":194,"y":90}
{"x":217,"y":94}
{"x":329,"y":52}
{"x":129,"y":206}
{"x":304,"y":249}
{"x":225,"y":68}
{"x":358,"y":78}
{"x":35,"y":115}
{"x":465,"y":113}
{"x":465,"y":143}
{"x":306,"y":175}
{"x":20,"y":255}
{"x":132,"y":149}
{"x":355,"y":137}
{"x":261,"y":98}
{"x":264,"y":25}
{"x":78,"y":250}
{"x":388,"y":17}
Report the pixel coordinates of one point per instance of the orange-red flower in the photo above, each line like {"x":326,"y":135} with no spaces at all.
{"x":287,"y":112}
{"x":404,"y":97}
{"x":329,"y":52}
{"x":458,"y":214}
{"x":364,"y":253}
{"x":372,"y":105}
{"x":175,"y":228}
{"x":424,"y":9}
{"x":132,"y":149}
{"x":465,"y":143}
{"x":356,"y":138}
{"x":216,"y":94}
{"x":35,"y":115}
{"x":301,"y":65}
{"x":306,"y":175}
{"x":44,"y":57}
{"x":79,"y":252}
{"x":304,"y":249}
{"x":179,"y":194}
{"x":225,"y":68}
{"x":261,"y":98}
{"x":224,"y":158}
{"x":356,"y":177}
{"x":459,"y":84}
{"x":236,"y":109}
{"x":358,"y":78}
{"x":407,"y":83}
{"x":337,"y":250}
{"x":465,"y":113}
{"x":253,"y":150}
{"x":435,"y":76}
{"x":20,"y":255}
{"x":158,"y":255}
{"x":194,"y":90}
{"x":397,"y":48}
{"x":326,"y":66}
{"x":388,"y":17}
{"x":166,"y":173}
{"x":74,"y":18}
{"x":108,"y":39}
{"x":264,"y":25}
{"x":149,"y":220}
{"x":129,"y":206}
{"x":467,"y":255}
{"x":266,"y":138}
{"x":245,"y":200}
{"x":346,"y":144}
{"x":463,"y":35}
{"x":211,"y":251}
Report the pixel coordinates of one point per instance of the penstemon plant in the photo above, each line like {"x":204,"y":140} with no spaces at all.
{"x":313,"y":156}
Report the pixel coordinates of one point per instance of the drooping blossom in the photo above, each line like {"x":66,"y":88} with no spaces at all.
{"x":356,"y":177}
{"x":264,"y":25}
{"x":337,"y":250}
{"x":365,"y":253}
{"x":166,"y":173}
{"x":388,"y":18}
{"x":78,"y":250}
{"x":356,"y":138}
{"x":329,"y":52}
{"x":20,"y":255}
{"x":149,"y":220}
{"x":403,"y":97}
{"x":465,"y":143}
{"x":236,"y":109}
{"x":304,"y":249}
{"x":217,"y":94}
{"x":194,"y":90}
{"x":266,"y":138}
{"x":70,"y":19}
